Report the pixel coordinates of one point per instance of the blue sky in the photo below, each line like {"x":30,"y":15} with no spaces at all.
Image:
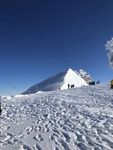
{"x":41,"y":38}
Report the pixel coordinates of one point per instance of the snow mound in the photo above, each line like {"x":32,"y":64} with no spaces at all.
{"x":6,"y":97}
{"x":59,"y":81}
{"x":20,"y":95}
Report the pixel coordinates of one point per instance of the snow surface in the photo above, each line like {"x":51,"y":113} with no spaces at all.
{"x":6,"y":97}
{"x":59,"y":81}
{"x":74,"y":119}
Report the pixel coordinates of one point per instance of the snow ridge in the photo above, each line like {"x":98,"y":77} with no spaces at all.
{"x":59,"y":81}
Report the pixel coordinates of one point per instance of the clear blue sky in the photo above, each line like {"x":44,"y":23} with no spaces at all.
{"x":41,"y":38}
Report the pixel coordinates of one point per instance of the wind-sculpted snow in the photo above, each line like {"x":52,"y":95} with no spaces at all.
{"x":59,"y":81}
{"x":75,"y":119}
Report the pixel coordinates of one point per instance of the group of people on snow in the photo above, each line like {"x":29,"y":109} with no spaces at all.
{"x":92,"y":83}
{"x":70,"y":86}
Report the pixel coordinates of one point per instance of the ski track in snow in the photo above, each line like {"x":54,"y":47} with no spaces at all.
{"x":75,"y":119}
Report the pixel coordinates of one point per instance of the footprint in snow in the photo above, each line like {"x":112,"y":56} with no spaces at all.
{"x":38,"y":137}
{"x":24,"y":147}
{"x":67,"y":137}
{"x":37,"y":147}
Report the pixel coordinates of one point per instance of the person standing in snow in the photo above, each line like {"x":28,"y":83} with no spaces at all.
{"x":98,"y":82}
{"x":72,"y":86}
{"x":68,"y":86}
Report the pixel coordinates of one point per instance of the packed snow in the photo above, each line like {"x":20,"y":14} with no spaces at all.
{"x":59,"y":81}
{"x":74,"y":119}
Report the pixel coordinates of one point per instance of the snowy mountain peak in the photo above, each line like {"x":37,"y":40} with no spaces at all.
{"x":82,"y":72}
{"x":60,"y":81}
{"x":86,"y":76}
{"x":69,"y":70}
{"x":72,"y":78}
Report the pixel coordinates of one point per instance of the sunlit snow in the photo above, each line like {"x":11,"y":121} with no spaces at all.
{"x":74,"y":119}
{"x":58,"y":81}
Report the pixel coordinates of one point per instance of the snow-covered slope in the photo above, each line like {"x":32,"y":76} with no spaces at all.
{"x":59,"y":81}
{"x":74,"y":119}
